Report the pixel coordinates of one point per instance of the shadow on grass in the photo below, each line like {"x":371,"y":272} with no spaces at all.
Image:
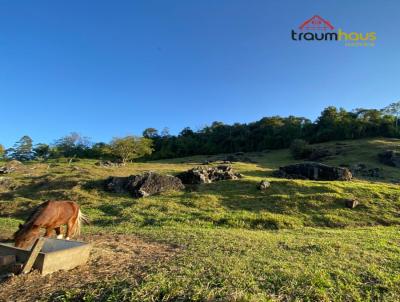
{"x":42,"y":188}
{"x":21,"y":211}
{"x":257,"y":173}
{"x":283,"y":197}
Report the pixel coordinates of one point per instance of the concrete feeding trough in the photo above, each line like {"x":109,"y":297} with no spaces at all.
{"x":56,"y":254}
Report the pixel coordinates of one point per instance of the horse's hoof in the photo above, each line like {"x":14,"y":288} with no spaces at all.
{"x":59,"y":236}
{"x":67,"y":238}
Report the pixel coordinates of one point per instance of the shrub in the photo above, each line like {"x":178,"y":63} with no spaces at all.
{"x":300,"y":149}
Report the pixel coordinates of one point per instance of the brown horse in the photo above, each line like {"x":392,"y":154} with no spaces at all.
{"x":50,"y":215}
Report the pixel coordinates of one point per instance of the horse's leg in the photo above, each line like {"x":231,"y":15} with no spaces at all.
{"x":70,"y":229}
{"x":72,"y":225}
{"x":59,"y":232}
{"x":48,"y":232}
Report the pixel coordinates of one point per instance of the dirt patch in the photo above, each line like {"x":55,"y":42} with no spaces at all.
{"x":122,"y":256}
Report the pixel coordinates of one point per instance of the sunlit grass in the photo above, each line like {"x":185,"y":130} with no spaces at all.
{"x":296,"y":241}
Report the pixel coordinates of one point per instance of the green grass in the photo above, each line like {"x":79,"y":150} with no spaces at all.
{"x":295,"y":242}
{"x":241,"y":265}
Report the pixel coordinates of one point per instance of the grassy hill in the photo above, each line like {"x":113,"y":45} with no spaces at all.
{"x":294,"y":242}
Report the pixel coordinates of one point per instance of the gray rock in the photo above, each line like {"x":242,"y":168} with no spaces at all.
{"x":263,"y":185}
{"x":351,"y":203}
{"x":201,"y":175}
{"x":143,"y":185}
{"x":313,"y":171}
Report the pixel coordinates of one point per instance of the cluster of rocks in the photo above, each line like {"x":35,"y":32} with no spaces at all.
{"x":200,"y":175}
{"x":143,"y":185}
{"x":313,"y":171}
{"x":109,"y":163}
{"x":151,"y":183}
{"x":10,"y":167}
{"x":390,"y":158}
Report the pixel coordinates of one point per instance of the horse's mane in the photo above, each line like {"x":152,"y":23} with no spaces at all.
{"x":36,"y":211}
{"x":31,"y":218}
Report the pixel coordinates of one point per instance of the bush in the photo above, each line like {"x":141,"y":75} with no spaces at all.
{"x":300,"y":149}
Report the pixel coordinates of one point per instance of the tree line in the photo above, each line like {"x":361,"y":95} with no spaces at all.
{"x":268,"y":133}
{"x":75,"y":146}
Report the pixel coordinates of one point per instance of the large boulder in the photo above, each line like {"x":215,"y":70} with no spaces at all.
{"x":143,"y":185}
{"x":390,"y":158}
{"x":314,"y":171}
{"x":201,"y":175}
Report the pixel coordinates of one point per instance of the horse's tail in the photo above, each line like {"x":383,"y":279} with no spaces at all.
{"x":82,"y":218}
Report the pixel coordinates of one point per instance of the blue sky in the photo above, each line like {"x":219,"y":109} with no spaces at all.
{"x":112,"y":68}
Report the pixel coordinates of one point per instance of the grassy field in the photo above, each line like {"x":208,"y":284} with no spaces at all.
{"x":295,"y":242}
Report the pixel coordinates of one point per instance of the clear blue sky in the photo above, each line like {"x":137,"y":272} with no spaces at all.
{"x":112,"y":68}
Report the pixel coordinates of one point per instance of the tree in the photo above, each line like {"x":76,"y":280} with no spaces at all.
{"x":393,"y":109}
{"x":22,"y":150}
{"x":72,"y":145}
{"x":150,"y":133}
{"x":131,"y":147}
{"x":41,"y":151}
{"x":165,"y":133}
{"x":100,"y":150}
{"x":2,"y":151}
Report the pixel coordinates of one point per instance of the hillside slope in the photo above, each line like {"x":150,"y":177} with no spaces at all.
{"x":297,"y":240}
{"x":287,"y":204}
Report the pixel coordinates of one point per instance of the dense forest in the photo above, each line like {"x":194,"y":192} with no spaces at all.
{"x":268,"y":133}
{"x":276,"y":132}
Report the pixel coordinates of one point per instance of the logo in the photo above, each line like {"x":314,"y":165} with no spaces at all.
{"x":319,"y":29}
{"x":316,"y":23}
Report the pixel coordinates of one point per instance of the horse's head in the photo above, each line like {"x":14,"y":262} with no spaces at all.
{"x":25,"y":236}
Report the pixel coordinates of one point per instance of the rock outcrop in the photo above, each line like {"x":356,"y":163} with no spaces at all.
{"x":313,"y":171}
{"x":390,"y":158}
{"x":201,"y":175}
{"x":143,"y":185}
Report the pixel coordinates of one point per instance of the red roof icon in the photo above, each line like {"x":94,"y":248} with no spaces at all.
{"x":316,"y":23}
